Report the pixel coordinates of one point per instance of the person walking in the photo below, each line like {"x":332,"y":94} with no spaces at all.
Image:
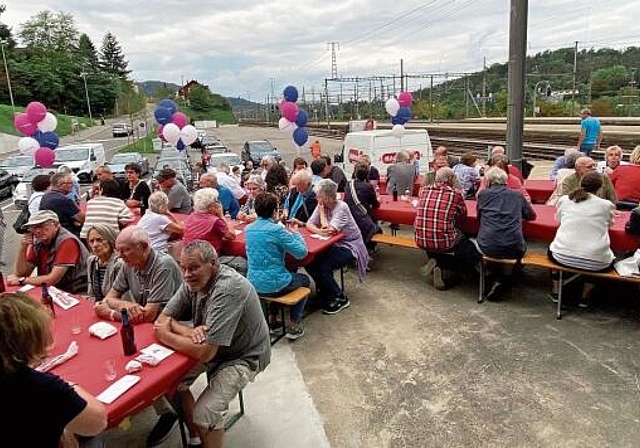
{"x":590,"y":133}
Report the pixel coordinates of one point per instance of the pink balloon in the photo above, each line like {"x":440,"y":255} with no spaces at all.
{"x":160,"y":128}
{"x":405,"y":99}
{"x":24,"y":125}
{"x":289,"y":110}
{"x":44,"y":157}
{"x":179,"y":119}
{"x":36,"y":112}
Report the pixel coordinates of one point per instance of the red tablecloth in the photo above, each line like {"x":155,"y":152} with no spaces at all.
{"x":87,"y":367}
{"x":540,"y":190}
{"x":416,"y":185}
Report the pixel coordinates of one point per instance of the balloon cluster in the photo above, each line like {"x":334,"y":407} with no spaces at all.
{"x":293,"y":118}
{"x":400,"y":111}
{"x":174,"y":125}
{"x":38,"y":126}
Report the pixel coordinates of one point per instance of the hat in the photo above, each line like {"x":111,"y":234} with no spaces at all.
{"x":165,"y":173}
{"x":41,"y":217}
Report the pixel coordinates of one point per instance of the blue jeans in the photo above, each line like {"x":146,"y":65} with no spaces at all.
{"x":586,"y":149}
{"x":295,"y":312}
{"x":322,"y":267}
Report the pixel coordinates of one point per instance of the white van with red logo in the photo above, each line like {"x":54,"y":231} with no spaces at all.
{"x":381,"y":146}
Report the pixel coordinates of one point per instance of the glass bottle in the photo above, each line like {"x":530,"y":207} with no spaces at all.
{"x":395,"y":193}
{"x":47,"y":300}
{"x":127,"y":335}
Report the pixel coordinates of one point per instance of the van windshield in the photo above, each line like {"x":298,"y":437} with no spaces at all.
{"x":72,"y":155}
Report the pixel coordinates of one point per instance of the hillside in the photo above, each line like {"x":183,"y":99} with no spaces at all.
{"x":64,"y":121}
{"x":241,"y":104}
{"x":149,"y":88}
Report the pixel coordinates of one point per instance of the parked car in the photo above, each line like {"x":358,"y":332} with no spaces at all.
{"x":257,"y":149}
{"x":217,"y":149}
{"x":182,"y":169}
{"x":122,"y":159}
{"x":23,"y":189}
{"x":8,"y":183}
{"x":229,"y":158}
{"x":172,"y":153}
{"x":122,"y":130}
{"x":17,"y":165}
{"x":82,"y":159}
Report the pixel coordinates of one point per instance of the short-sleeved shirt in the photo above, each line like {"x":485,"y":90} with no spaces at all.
{"x":155,"y":224}
{"x":231,"y":310}
{"x":439,"y":213}
{"x":156,"y":283}
{"x":140,"y":193}
{"x":105,"y":210}
{"x":64,"y":207}
{"x":179,"y":199}
{"x":591,"y":128}
{"x":68,"y":255}
{"x":205,"y":226}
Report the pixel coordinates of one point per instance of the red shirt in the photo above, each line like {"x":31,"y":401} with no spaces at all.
{"x":205,"y":226}
{"x":515,"y":171}
{"x":67,"y":256}
{"x":626,"y":181}
{"x":440,"y":210}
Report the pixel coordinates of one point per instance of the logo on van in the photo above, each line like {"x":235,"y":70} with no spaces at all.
{"x":390,"y":157}
{"x":354,"y":154}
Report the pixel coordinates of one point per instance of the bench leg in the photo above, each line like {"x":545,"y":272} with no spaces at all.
{"x":482,"y":280}
{"x":559,"y":309}
{"x":234,"y":418}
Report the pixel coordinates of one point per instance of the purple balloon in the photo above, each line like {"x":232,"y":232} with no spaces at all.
{"x":24,"y":125}
{"x":36,"y":112}
{"x":179,"y":119}
{"x":44,"y":157}
{"x":405,"y":99}
{"x":289,"y":110}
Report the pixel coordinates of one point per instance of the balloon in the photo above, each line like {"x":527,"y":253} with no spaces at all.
{"x":24,"y":125}
{"x":44,"y":157}
{"x":289,"y":110}
{"x":36,"y":112}
{"x":392,"y":106}
{"x":397,"y":120}
{"x":168,"y":104}
{"x":49,"y":123}
{"x":290,"y":93}
{"x":180,"y":145}
{"x":160,"y":133}
{"x":405,"y":99}
{"x":300,"y":136}
{"x":188,"y":134}
{"x":285,"y":125}
{"x":179,"y":119}
{"x":49,"y":140}
{"x":404,"y":114}
{"x":162,"y":115}
{"x":28,"y":145}
{"x":171,"y":133}
{"x":303,"y":118}
{"x":397,"y":130}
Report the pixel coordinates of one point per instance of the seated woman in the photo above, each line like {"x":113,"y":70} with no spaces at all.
{"x":277,"y":181}
{"x":401,"y":175}
{"x":582,"y":240}
{"x":500,"y":214}
{"x":612,"y":160}
{"x":513,"y":182}
{"x":267,"y":244}
{"x":103,"y":264}
{"x":468,"y":175}
{"x":373,"y":175}
{"x":330,"y":217}
{"x":562,"y":174}
{"x":626,"y":180}
{"x":361,"y":198}
{"x":106,"y":208}
{"x":299,"y":164}
{"x":301,"y":201}
{"x":159,"y":222}
{"x":254,"y":185}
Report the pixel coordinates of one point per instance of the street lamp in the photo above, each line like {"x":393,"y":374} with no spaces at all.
{"x":535,"y":91}
{"x":6,"y":70}
{"x":83,"y":75}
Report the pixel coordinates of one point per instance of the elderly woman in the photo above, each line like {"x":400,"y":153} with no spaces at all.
{"x":301,"y":201}
{"x":582,"y":240}
{"x":159,"y":223}
{"x":373,"y":175}
{"x":626,"y":180}
{"x":513,"y":182}
{"x":401,"y":174}
{"x":612,"y":160}
{"x":103,"y":264}
{"x":562,"y":174}
{"x":267,"y":244}
{"x":361,"y":198}
{"x":330,"y":217}
{"x":468,"y":175}
{"x":253,"y":186}
{"x":106,"y":208}
{"x":500,"y":213}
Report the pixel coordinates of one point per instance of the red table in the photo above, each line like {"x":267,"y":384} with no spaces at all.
{"x":87,"y":367}
{"x":540,"y":190}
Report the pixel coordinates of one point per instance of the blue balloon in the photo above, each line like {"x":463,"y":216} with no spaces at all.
{"x":404,"y":113}
{"x":169,"y":104}
{"x":300,"y":136}
{"x":397,"y":120}
{"x":49,"y":140}
{"x":290,"y":93}
{"x":162,"y":115}
{"x":38,"y":136}
{"x":180,"y":145}
{"x":302,"y":119}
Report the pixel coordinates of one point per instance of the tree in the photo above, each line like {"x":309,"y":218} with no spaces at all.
{"x":47,"y":32}
{"x":87,"y":54}
{"x":112,"y":57}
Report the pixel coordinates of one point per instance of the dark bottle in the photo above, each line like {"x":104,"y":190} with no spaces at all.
{"x":47,"y":300}
{"x":127,"y":335}
{"x":395,"y":193}
{"x":3,"y":288}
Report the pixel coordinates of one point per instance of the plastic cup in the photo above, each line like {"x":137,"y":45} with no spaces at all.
{"x":110,"y":371}
{"x":76,"y":325}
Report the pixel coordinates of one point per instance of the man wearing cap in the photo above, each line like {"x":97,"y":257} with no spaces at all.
{"x":179,"y":199}
{"x":58,"y":255}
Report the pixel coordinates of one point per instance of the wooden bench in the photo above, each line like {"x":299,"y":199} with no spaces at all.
{"x":290,"y":299}
{"x":401,"y":241}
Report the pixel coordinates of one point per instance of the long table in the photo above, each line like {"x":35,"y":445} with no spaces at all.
{"x":540,"y":190}
{"x":543,"y":228}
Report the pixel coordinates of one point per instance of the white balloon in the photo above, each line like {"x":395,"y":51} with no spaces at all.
{"x":48,"y":123}
{"x":286,"y":125}
{"x":171,"y":133}
{"x":397,"y":130}
{"x":392,"y":106}
{"x":28,"y":146}
{"x":188,"y":134}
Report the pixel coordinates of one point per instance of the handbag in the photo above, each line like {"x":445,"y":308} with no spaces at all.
{"x":22,"y":219}
{"x":633,"y":225}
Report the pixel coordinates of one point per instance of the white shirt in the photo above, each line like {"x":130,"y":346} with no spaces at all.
{"x":231,"y":183}
{"x":34,"y":201}
{"x":155,"y":224}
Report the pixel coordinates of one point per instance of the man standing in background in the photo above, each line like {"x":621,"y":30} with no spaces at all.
{"x":590,"y":133}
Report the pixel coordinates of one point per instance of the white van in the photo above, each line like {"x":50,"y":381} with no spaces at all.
{"x":83,"y":159}
{"x":382,"y":146}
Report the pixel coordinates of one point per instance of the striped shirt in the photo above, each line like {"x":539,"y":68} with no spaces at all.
{"x":105,"y":210}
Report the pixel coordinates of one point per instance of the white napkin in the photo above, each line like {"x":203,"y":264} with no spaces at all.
{"x":62,"y":299}
{"x":319,"y":237}
{"x":133,"y":366}
{"x":111,"y":393}
{"x":50,"y":363}
{"x":102,"y":330}
{"x":158,"y":351}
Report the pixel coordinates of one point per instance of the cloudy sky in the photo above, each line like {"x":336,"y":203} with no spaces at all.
{"x":240,"y":48}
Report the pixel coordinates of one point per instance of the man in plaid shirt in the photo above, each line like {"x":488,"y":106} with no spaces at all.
{"x":437,"y":228}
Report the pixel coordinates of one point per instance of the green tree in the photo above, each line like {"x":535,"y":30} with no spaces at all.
{"x":87,"y":54}
{"x":200,"y":98}
{"x":608,"y":81}
{"x":112,"y":57}
{"x":47,"y":31}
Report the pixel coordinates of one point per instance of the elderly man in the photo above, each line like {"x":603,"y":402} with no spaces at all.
{"x":103,"y":173}
{"x":225,"y":179}
{"x":590,"y":133}
{"x":225,"y":196}
{"x":179,"y":199}
{"x":301,"y":201}
{"x":560,"y":163}
{"x":334,"y":173}
{"x":229,"y":337}
{"x":583,"y":166}
{"x":58,"y":255}
{"x":440,"y":156}
{"x":150,"y":278}
{"x":513,"y":170}
{"x":440,"y":211}
{"x":56,"y":200}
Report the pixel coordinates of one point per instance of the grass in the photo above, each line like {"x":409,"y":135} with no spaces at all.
{"x":64,"y":121}
{"x":143,"y":145}
{"x":221,"y":116}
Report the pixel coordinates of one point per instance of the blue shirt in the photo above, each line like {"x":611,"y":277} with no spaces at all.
{"x":591,"y":127}
{"x":229,"y":202}
{"x":267,"y":243}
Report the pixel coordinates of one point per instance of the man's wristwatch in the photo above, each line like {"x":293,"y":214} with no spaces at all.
{"x":21,"y":280}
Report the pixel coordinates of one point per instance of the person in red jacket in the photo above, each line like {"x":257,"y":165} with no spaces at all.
{"x":626,"y":178}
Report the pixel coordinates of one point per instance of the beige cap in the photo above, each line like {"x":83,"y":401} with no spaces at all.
{"x":40,"y":217}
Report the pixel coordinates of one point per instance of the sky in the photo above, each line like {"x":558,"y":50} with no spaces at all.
{"x":246,"y":48}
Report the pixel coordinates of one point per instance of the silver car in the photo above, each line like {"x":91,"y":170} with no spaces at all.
{"x":122,"y":159}
{"x":17,"y":165}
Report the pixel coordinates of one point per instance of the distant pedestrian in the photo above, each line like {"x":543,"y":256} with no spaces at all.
{"x":590,"y":133}
{"x":316,"y":150}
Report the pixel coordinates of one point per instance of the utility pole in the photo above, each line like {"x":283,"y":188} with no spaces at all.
{"x":515,"y":102}
{"x":326,"y":104}
{"x":484,"y":87}
{"x":6,"y":70}
{"x":83,"y":75}
{"x":575,"y":72}
{"x":466,"y":97}
{"x":431,"y":101}
{"x":401,"y":75}
{"x":334,"y":60}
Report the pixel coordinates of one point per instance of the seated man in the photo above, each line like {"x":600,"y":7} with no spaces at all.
{"x":179,"y":199}
{"x":70,"y":216}
{"x":58,"y":255}
{"x":440,"y":211}
{"x":560,"y":162}
{"x":513,"y":170}
{"x":229,"y":337}
{"x":229,"y":203}
{"x":585,"y":165}
{"x":224,"y":178}
{"x":334,"y":173}
{"x":150,"y":278}
{"x":442,"y":158}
